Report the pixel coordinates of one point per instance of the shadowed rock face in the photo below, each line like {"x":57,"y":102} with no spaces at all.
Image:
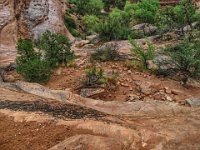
{"x":28,"y":19}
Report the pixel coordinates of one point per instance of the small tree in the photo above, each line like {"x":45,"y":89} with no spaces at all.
{"x":185,"y":14}
{"x":35,"y":70}
{"x":165,"y":20}
{"x":141,"y":54}
{"x":29,"y":63}
{"x":186,"y":57}
{"x":56,"y":48}
{"x":91,"y":23}
{"x":115,"y":26}
{"x":146,"y":10}
{"x":25,"y":48}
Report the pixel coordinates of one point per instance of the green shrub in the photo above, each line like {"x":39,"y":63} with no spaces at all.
{"x":165,"y":20}
{"x":91,"y":23}
{"x":115,"y":26}
{"x":146,"y":10}
{"x":114,"y":3}
{"x":35,"y":70}
{"x":185,"y":13}
{"x":186,"y":57}
{"x":25,"y":48}
{"x":129,"y":8}
{"x":141,"y":54}
{"x":56,"y":48}
{"x":108,"y":53}
{"x":29,"y":64}
{"x":94,"y":77}
{"x":90,"y":7}
{"x":69,"y":21}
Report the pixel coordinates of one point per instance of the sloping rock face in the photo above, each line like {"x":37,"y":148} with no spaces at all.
{"x":102,"y":125}
{"x":28,"y":19}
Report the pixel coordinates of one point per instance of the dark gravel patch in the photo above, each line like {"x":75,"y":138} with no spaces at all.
{"x":56,"y":110}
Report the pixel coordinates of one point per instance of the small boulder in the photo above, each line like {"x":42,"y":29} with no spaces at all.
{"x":150,"y":29}
{"x":93,"y":38}
{"x":193,"y":83}
{"x":152,"y":65}
{"x":146,"y":28}
{"x":193,"y":102}
{"x":87,"y":92}
{"x":1,"y":79}
{"x":139,"y":26}
{"x":81,"y":43}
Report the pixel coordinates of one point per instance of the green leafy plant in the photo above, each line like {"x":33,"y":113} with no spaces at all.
{"x":141,"y":54}
{"x":35,"y":70}
{"x":70,"y":23}
{"x":165,"y":20}
{"x":94,"y":77}
{"x":91,"y":23}
{"x":146,"y":10}
{"x":90,"y":7}
{"x":185,"y":14}
{"x":29,"y":63}
{"x":186,"y":57}
{"x":115,"y":26}
{"x":56,"y":48}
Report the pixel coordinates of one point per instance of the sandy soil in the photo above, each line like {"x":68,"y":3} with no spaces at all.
{"x":70,"y":78}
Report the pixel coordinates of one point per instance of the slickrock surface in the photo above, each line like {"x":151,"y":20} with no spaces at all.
{"x":34,"y":117}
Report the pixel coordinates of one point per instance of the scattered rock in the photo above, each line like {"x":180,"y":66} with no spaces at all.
{"x":167,"y":90}
{"x":168,"y":98}
{"x":9,"y":78}
{"x":188,"y":28}
{"x":139,"y":26}
{"x":87,"y":92}
{"x":152,"y":65}
{"x":145,"y":27}
{"x":133,"y":97}
{"x":193,"y":83}
{"x":177,"y":92}
{"x":150,"y":29}
{"x":124,"y":85}
{"x":148,"y":88}
{"x":1,"y":79}
{"x":193,"y":102}
{"x":93,"y":38}
{"x":81,"y":43}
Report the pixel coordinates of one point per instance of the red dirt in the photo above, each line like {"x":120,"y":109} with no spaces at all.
{"x":33,"y":135}
{"x":30,"y":135}
{"x":70,"y":78}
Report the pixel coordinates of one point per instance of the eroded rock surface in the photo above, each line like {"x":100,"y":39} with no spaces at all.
{"x":28,"y":19}
{"x":163,"y":127}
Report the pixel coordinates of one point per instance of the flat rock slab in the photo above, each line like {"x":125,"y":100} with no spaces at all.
{"x":87,"y":92}
{"x":194,"y":102}
{"x":151,"y":108}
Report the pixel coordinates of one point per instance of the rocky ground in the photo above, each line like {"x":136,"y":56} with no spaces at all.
{"x":35,"y":117}
{"x":143,"y":111}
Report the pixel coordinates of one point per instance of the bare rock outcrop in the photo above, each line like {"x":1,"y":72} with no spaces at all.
{"x":132,"y":126}
{"x":28,"y":19}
